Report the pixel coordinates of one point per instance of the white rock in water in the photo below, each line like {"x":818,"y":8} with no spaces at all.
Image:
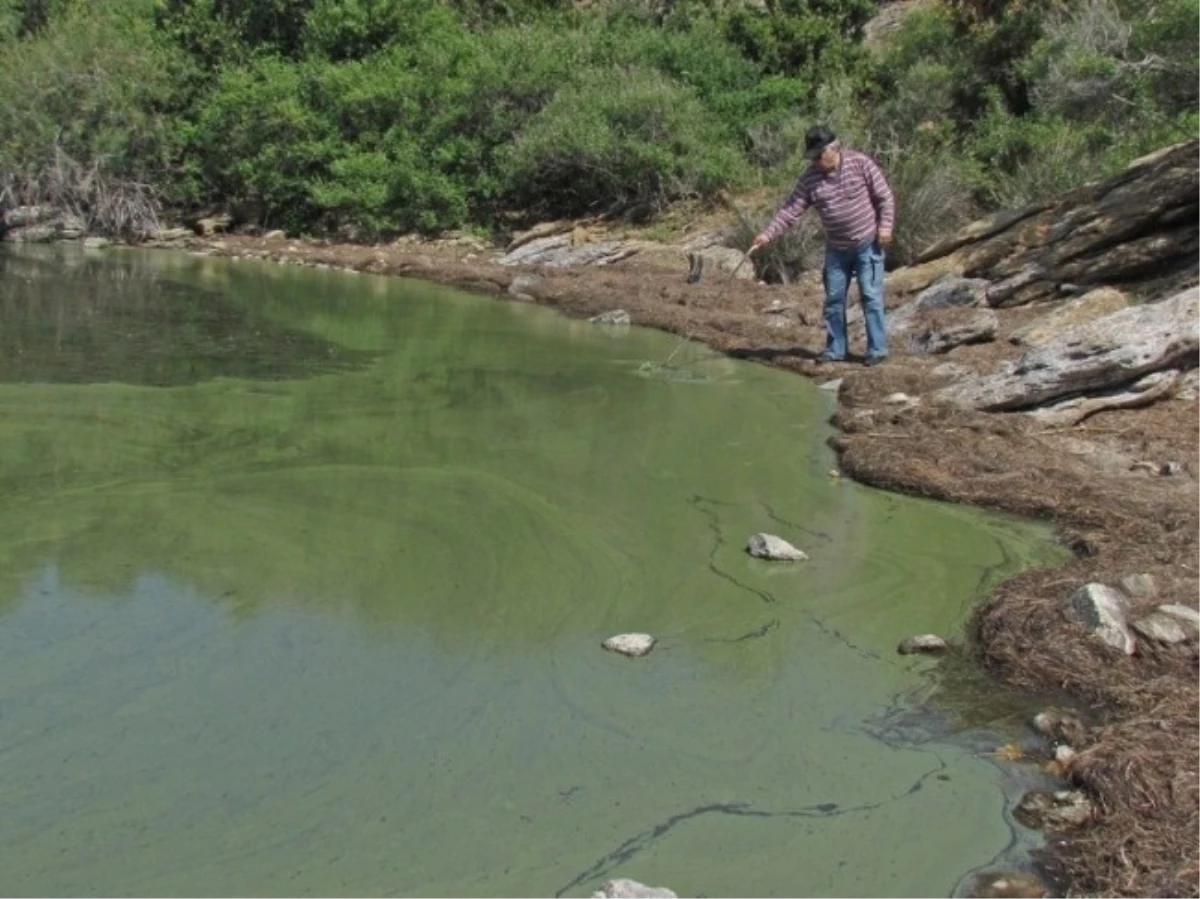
{"x":630,"y":644}
{"x":612,"y":317}
{"x":768,"y":546}
{"x":921,"y":643}
{"x":623,"y":888}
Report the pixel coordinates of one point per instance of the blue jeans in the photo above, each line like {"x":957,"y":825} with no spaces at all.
{"x":864,"y":262}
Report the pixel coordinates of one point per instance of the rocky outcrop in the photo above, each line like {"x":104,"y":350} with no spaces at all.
{"x":41,"y":224}
{"x":1112,"y":351}
{"x":1092,"y":305}
{"x":1139,"y":225}
{"x":1150,"y":389}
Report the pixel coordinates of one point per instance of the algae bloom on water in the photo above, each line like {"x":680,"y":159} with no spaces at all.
{"x":272,"y":617}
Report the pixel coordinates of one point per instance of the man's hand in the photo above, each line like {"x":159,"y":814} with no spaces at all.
{"x":885,"y":237}
{"x":759,"y":242}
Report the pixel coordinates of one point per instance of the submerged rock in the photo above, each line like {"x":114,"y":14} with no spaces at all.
{"x":1105,"y":611}
{"x":635,"y":645}
{"x":1060,"y":726}
{"x":1060,"y":810}
{"x":768,"y":546}
{"x":1008,"y":885}
{"x":623,"y":888}
{"x":921,"y":643}
{"x":612,"y":317}
{"x":522,"y":286}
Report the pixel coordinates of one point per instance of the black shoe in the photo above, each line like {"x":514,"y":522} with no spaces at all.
{"x":873,"y":360}
{"x":826,"y":357}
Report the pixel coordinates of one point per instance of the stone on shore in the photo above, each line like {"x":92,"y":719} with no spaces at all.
{"x":1160,"y":629}
{"x":941,"y":330}
{"x":634,"y":645}
{"x":768,"y":546}
{"x":623,"y":888}
{"x":1185,"y":615}
{"x":1105,"y":611}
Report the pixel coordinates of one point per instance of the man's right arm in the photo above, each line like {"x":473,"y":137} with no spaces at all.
{"x":788,"y":213}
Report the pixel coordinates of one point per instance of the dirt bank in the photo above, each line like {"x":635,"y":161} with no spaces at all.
{"x":1099,"y":482}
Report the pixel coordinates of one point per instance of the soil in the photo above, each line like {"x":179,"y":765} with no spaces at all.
{"x":1098,"y":482}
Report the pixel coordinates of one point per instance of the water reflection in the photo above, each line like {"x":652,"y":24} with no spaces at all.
{"x":76,"y":318}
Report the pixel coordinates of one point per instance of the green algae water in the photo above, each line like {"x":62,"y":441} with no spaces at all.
{"x":304,"y":575}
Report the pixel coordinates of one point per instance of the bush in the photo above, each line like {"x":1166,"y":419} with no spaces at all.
{"x":934,"y":197}
{"x":1028,"y":159}
{"x":618,"y":138}
{"x":261,"y":143}
{"x":82,"y":124}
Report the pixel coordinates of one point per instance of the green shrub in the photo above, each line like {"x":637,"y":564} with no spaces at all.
{"x":618,"y":138}
{"x":261,"y":143}
{"x":934,"y":196}
{"x":82,"y":124}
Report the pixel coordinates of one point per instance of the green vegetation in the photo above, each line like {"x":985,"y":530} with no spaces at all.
{"x":370,"y":118}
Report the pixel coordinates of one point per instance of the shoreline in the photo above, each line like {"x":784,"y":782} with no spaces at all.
{"x":1136,"y":762}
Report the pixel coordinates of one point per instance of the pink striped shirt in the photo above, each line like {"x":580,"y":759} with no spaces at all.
{"x":854,"y":203}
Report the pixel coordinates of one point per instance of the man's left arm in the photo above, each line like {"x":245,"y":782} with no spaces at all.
{"x":883,"y":199}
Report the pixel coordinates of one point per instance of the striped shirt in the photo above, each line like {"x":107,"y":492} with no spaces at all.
{"x":854,"y":202}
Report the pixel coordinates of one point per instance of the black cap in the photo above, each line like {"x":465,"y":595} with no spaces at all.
{"x":816,"y":140}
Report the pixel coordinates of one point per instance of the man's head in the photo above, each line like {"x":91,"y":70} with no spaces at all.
{"x":822,"y":147}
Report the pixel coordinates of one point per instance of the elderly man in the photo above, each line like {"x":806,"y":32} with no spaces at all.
{"x":857,"y":210}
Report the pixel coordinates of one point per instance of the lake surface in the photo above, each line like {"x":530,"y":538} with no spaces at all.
{"x":303,"y":579}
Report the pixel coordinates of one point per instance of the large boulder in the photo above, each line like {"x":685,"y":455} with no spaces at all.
{"x":1114,"y":350}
